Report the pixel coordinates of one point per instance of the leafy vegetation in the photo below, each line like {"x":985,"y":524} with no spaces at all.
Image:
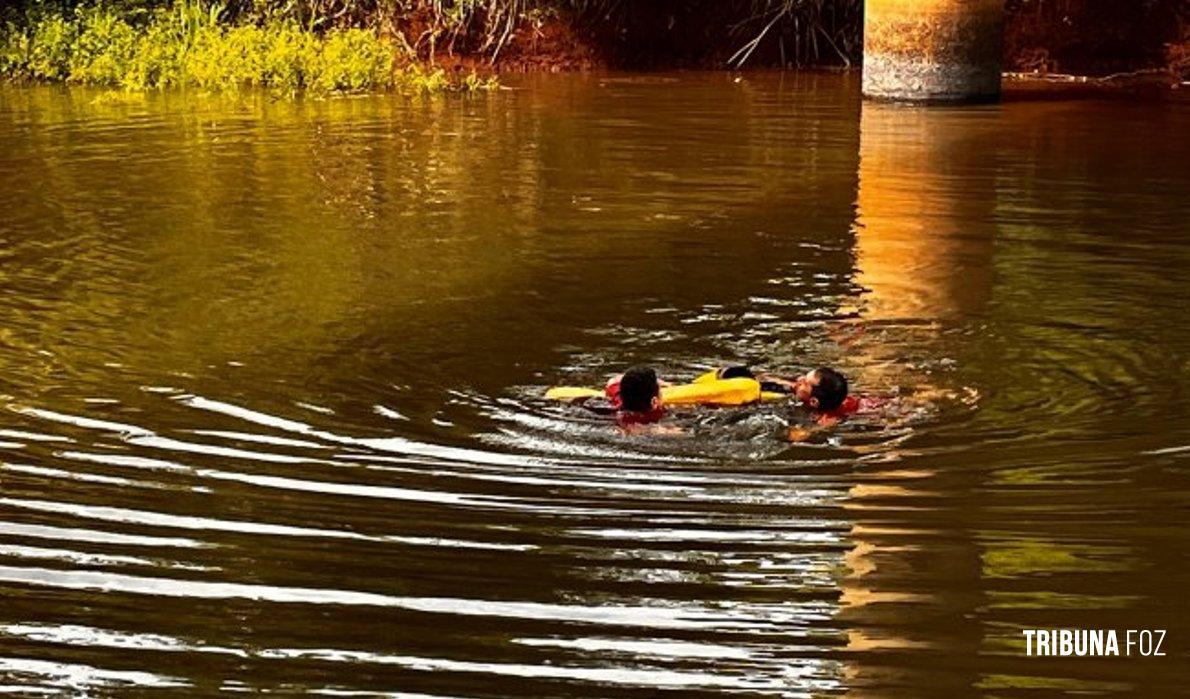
{"x":192,"y":43}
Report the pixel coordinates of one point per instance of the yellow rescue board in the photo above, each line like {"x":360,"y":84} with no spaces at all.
{"x":718,"y":392}
{"x":572,"y":393}
{"x":705,"y":391}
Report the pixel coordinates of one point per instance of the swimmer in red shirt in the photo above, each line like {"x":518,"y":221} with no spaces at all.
{"x":636,"y":397}
{"x":825,"y":392}
{"x":822,"y":390}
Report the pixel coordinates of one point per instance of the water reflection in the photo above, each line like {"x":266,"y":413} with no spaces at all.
{"x":923,"y":245}
{"x":273,"y":374}
{"x":923,"y":242}
{"x":942,"y":202}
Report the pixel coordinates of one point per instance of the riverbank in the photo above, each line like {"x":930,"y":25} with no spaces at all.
{"x":336,"y":45}
{"x":1083,"y":38}
{"x":190,"y":43}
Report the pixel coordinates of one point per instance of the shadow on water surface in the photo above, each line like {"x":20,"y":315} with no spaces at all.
{"x":273,"y":374}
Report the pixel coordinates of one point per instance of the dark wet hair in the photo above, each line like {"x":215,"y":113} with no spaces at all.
{"x":831,"y":389}
{"x":736,"y":372}
{"x":638,"y":388}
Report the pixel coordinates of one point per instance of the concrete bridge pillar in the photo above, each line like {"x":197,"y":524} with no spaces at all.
{"x":933,"y":50}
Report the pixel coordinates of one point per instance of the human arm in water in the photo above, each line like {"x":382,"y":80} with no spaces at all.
{"x":649,"y":428}
{"x":822,"y":423}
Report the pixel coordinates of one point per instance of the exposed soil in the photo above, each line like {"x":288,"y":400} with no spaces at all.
{"x":1082,"y":37}
{"x":1097,"y":37}
{"x":662,"y":34}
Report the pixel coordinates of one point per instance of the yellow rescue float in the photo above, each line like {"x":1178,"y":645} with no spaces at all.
{"x":707,"y":389}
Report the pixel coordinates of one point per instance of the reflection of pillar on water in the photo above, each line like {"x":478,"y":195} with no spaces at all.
{"x":923,"y":246}
{"x":923,"y":255}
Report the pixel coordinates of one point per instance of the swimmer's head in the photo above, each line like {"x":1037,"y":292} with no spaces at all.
{"x":639,"y":390}
{"x":821,"y":389}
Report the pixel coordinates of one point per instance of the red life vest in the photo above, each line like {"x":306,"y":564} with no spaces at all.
{"x":612,"y":391}
{"x":852,"y":405}
{"x":629,"y":417}
{"x":849,"y":406}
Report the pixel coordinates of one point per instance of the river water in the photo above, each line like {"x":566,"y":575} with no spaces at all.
{"x":272,"y":374}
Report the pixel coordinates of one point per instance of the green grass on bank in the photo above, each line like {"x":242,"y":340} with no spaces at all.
{"x":190,"y":44}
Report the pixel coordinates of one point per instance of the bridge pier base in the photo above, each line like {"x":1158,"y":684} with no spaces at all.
{"x":933,"y":50}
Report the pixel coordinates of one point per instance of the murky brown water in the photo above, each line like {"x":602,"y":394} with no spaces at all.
{"x":271,"y":379}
